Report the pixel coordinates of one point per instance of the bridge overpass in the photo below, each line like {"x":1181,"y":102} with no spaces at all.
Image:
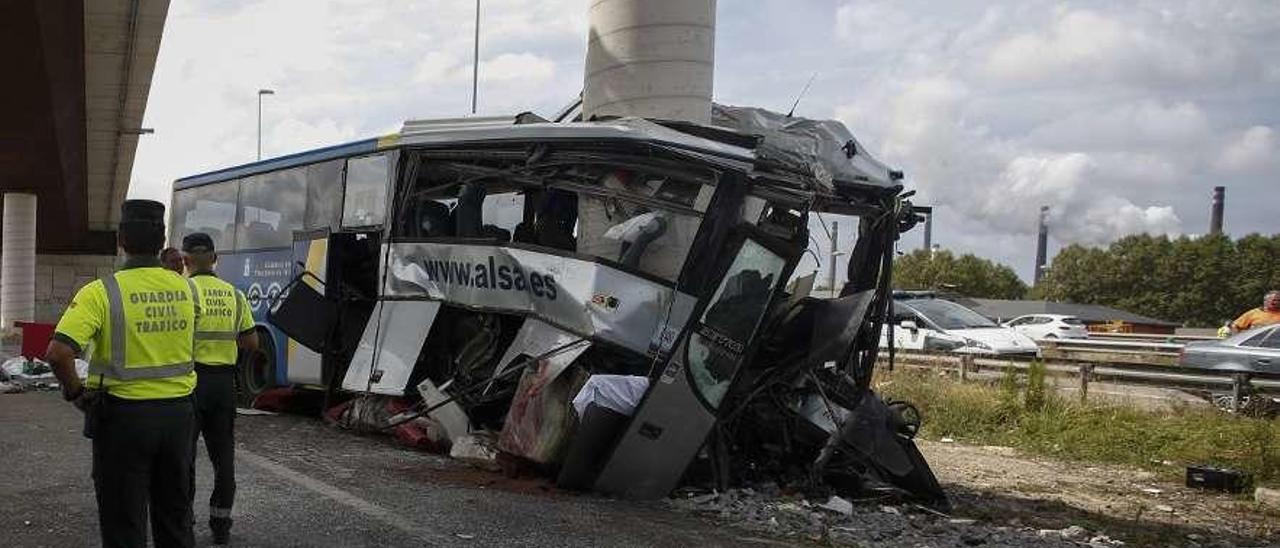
{"x":78,"y":73}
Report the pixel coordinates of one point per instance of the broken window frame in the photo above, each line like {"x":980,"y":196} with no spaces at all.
{"x":520,"y":182}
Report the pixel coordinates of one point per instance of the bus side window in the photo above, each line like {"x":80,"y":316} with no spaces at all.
{"x":366,"y":191}
{"x":555,"y":220}
{"x":272,"y":206}
{"x":324,"y":195}
{"x":210,"y":209}
{"x":501,"y":214}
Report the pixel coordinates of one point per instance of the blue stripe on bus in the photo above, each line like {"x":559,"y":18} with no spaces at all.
{"x":283,"y":162}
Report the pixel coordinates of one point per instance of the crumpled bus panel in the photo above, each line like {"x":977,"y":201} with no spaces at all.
{"x":390,"y":346}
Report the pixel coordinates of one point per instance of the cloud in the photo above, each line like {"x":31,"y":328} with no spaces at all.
{"x":1081,"y":210}
{"x":1118,"y":116}
{"x":1141,"y":124}
{"x":1084,"y":45}
{"x":526,"y":68}
{"x":1253,"y":150}
{"x":999,"y":182}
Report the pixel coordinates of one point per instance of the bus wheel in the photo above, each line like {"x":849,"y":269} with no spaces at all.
{"x":258,"y":371}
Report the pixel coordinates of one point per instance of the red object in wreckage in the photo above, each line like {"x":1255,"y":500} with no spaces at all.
{"x":35,"y":338}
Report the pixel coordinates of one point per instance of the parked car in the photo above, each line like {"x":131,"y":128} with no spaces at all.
{"x":1253,"y":351}
{"x":1049,"y":326}
{"x":925,"y":322}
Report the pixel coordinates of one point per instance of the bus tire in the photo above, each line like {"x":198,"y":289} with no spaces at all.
{"x":258,"y":370}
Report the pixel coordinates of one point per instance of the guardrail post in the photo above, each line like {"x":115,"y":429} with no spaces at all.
{"x":965,"y":362}
{"x":1239,"y":387}
{"x":1086,"y":370}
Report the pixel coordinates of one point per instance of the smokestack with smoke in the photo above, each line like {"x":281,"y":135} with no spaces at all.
{"x":1219,"y":201}
{"x":1042,"y":244}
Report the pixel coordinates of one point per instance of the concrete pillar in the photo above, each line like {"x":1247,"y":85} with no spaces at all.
{"x":18,"y":259}
{"x":650,"y":58}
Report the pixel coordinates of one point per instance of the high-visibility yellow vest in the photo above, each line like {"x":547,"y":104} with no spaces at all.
{"x":224,"y":315}
{"x":141,"y":322}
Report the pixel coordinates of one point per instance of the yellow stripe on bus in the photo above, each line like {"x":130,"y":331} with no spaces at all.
{"x":389,"y":140}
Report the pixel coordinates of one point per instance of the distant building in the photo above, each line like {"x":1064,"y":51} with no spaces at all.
{"x":1098,"y":318}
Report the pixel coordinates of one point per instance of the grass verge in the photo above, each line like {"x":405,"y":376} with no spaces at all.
{"x":1021,"y":412}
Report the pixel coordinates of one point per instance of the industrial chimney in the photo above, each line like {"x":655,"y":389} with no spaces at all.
{"x":1042,"y":245}
{"x":651,"y":59}
{"x":1219,"y":201}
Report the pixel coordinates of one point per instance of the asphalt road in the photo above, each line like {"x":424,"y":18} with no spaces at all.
{"x":302,"y":483}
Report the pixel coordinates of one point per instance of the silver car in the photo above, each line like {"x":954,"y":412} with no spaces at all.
{"x":1253,"y":351}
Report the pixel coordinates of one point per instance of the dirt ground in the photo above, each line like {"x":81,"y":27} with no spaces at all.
{"x":998,"y":484}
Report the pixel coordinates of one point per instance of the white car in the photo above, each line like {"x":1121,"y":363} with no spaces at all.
{"x":1049,"y":326}
{"x":930,"y":323}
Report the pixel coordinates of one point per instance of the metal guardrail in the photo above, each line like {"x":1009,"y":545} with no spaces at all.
{"x":1240,"y":384}
{"x":1104,"y":351}
{"x":1095,"y":335}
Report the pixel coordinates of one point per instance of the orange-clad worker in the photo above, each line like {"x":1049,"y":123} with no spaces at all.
{"x":1267,"y":314}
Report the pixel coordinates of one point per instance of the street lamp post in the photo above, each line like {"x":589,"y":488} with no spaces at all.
{"x":475,"y":61}
{"x":835,"y":243}
{"x":261,"y":92}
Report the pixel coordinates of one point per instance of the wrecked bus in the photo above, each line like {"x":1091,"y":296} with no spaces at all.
{"x":609,"y":298}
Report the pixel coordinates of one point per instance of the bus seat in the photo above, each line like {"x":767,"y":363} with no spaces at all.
{"x":467,"y":214}
{"x":493,"y":232}
{"x":636,"y":234}
{"x":524,"y":234}
{"x":557,"y":236}
{"x":432,"y":220}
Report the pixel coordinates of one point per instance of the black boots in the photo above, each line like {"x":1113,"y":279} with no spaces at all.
{"x":221,"y":528}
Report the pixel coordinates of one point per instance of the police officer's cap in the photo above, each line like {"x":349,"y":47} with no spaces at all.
{"x":197,"y":242}
{"x":142,"y":211}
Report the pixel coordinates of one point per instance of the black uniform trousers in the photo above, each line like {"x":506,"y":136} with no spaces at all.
{"x":142,"y":455}
{"x":216,"y":416}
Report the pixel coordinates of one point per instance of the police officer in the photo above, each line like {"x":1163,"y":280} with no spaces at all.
{"x":225,"y":327}
{"x":137,"y":397}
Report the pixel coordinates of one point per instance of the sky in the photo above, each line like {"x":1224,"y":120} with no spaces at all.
{"x":1120,"y":116}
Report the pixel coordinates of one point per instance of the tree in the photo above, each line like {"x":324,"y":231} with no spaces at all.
{"x":1197,"y":281}
{"x":967,"y":275}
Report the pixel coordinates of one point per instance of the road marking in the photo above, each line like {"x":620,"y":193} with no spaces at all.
{"x":345,"y":498}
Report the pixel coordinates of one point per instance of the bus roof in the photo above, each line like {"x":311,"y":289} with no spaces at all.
{"x":711,"y":143}
{"x":282,"y":162}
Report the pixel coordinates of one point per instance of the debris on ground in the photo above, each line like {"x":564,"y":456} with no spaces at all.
{"x":1215,"y":478}
{"x":424,"y":434}
{"x":870,"y":524}
{"x":1050,"y":493}
{"x":477,"y":450}
{"x":1268,"y":498}
{"x":838,"y":505}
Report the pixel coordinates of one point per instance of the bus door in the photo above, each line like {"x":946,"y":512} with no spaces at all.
{"x":340,"y":269}
{"x":354,"y":283}
{"x":682,"y":406}
{"x":310,"y":254}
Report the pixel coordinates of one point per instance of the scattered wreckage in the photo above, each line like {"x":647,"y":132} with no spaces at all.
{"x":610,"y":300}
